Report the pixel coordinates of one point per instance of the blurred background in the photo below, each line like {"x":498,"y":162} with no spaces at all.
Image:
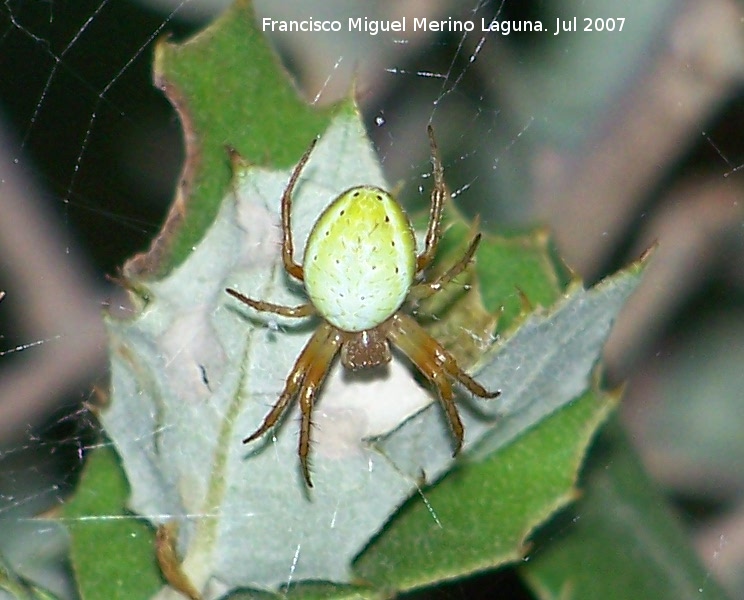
{"x":617,"y":140}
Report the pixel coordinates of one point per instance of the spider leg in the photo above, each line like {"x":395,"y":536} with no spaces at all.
{"x":316,"y":372}
{"x":418,"y":336}
{"x":473,"y":386}
{"x":294,"y":269}
{"x":439,"y":195}
{"x":437,"y":364}
{"x":303,"y":310}
{"x":304,"y":380}
{"x":421,"y":353}
{"x":429,"y":288}
{"x":307,"y":401}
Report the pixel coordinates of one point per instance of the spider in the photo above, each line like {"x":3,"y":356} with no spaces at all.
{"x":360,"y":266}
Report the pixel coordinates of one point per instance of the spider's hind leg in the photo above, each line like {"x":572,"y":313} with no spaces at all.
{"x":424,"y":352}
{"x":304,"y":380}
{"x":437,"y":365}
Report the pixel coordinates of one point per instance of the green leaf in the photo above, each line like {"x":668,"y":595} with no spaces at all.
{"x":479,"y":517}
{"x":619,"y":541}
{"x":519,"y":264}
{"x":111,"y":550}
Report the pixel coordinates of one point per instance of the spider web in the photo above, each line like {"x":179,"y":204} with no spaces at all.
{"x":91,"y":152}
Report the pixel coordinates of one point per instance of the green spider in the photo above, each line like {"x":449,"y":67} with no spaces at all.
{"x":360,"y":267}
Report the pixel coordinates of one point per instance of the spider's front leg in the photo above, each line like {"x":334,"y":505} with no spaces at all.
{"x":294,"y":269}
{"x":439,"y":195}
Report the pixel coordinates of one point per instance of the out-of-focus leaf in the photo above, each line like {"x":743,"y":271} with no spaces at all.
{"x":619,"y":541}
{"x":111,"y":550}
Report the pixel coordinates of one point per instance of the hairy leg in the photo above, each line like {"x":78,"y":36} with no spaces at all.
{"x":439,"y":195}
{"x":305,"y":377}
{"x":429,"y":288}
{"x":290,"y":265}
{"x":422,"y":350}
{"x":316,"y":373}
{"x":436,"y":363}
{"x":417,"y":336}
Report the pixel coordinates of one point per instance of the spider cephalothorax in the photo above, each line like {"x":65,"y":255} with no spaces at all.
{"x":360,"y":266}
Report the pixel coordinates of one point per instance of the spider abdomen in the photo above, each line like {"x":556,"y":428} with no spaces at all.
{"x":360,"y":259}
